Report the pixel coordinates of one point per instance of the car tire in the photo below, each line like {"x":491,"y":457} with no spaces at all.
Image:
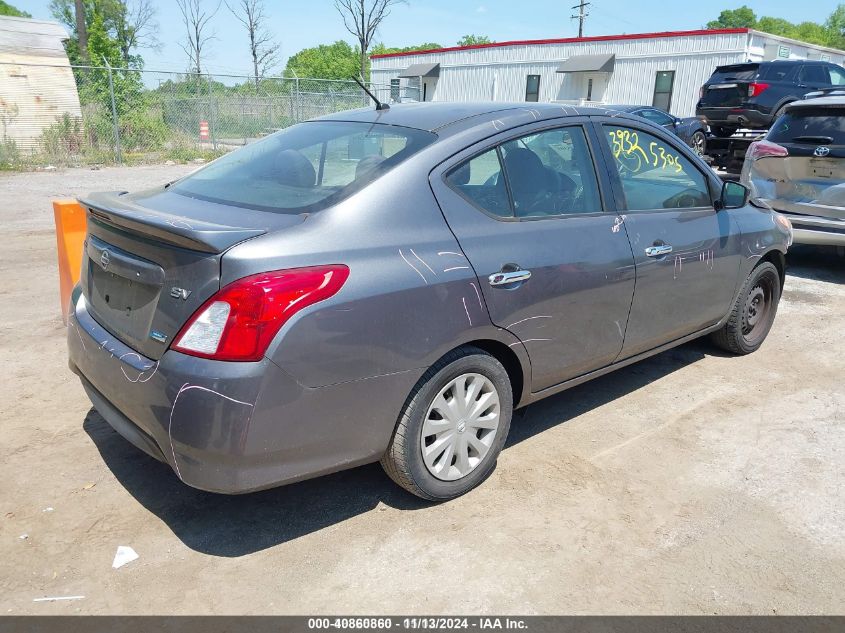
{"x":422,"y":429}
{"x":723,"y":132}
{"x":698,"y":142}
{"x":753,"y":313}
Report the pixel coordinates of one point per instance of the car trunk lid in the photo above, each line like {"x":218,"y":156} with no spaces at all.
{"x":814,"y":169}
{"x":804,"y":177}
{"x":151,"y":259}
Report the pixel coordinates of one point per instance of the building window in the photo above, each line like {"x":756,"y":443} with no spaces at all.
{"x":590,"y":89}
{"x":394,"y":90}
{"x":532,"y":88}
{"x":663,"y":89}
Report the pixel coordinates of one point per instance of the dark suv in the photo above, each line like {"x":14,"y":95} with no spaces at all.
{"x":753,"y":95}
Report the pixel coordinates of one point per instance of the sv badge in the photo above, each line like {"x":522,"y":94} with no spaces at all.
{"x":180,"y":293}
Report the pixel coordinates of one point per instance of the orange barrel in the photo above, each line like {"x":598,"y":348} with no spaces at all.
{"x":70,"y":235}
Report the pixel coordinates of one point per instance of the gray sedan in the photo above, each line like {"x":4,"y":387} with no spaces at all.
{"x":388,"y":285}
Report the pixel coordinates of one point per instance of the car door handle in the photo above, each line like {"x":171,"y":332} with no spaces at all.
{"x":503,"y":278}
{"x":658,"y":251}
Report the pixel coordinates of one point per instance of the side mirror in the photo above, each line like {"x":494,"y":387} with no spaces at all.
{"x":734,"y":195}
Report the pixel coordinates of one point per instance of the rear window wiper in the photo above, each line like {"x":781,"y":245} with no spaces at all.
{"x":818,"y":140}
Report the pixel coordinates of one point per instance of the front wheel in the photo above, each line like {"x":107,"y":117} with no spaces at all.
{"x":698,"y":142}
{"x":753,"y":313}
{"x":453,"y":426}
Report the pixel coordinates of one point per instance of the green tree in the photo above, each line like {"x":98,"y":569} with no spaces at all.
{"x":381,"y":49}
{"x":470,"y":40}
{"x":105,"y":51}
{"x":8,"y":9}
{"x":831,"y":33}
{"x":326,"y":61}
{"x":130,"y":23}
{"x":812,"y":32}
{"x":835,"y":24}
{"x":743,"y":17}
{"x":775,"y":26}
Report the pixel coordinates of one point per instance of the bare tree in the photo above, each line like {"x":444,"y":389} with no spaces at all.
{"x":135,"y":26}
{"x":362,"y":19}
{"x":262,"y":47}
{"x":198,"y":35}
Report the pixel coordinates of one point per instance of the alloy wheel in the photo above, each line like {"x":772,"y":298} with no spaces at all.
{"x":699,"y":143}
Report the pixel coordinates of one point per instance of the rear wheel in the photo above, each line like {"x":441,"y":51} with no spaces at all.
{"x":453,"y":426}
{"x":698,"y":142}
{"x":753,"y":313}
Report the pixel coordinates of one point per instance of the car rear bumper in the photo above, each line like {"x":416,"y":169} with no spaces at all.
{"x":232,"y":427}
{"x":808,"y":228}
{"x":735,"y":117}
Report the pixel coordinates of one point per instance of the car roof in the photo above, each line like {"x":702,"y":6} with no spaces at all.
{"x":818,"y":102}
{"x":439,"y":116}
{"x":626,"y":107}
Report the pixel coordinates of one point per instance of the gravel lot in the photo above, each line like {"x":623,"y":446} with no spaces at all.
{"x":690,"y":483}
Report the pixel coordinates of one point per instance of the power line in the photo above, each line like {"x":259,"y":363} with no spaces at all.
{"x":582,"y":14}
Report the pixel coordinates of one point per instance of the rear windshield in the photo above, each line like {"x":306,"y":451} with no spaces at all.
{"x":739,"y":72}
{"x":304,"y":168}
{"x":810,"y":125}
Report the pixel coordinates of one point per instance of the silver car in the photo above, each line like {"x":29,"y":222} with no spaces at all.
{"x":799,"y":169}
{"x":388,"y":285}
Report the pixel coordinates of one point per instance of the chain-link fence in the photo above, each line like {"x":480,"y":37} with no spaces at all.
{"x":106,"y":115}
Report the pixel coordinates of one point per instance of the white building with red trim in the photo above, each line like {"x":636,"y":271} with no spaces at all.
{"x":661,"y":69}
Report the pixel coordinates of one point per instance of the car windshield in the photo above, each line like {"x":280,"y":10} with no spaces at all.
{"x":815,"y":126}
{"x":304,"y":168}
{"x":740,"y":72}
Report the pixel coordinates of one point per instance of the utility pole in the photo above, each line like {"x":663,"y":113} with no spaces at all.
{"x":581,"y":16}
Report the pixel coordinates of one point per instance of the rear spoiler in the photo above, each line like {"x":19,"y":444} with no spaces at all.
{"x":113,"y":209}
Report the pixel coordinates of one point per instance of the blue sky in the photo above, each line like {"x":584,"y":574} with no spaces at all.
{"x":299,"y":24}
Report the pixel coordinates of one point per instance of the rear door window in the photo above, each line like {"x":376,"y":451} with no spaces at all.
{"x":548,"y":173}
{"x":551,"y":173}
{"x":653,"y":173}
{"x":810,"y":125}
{"x":656,"y":116}
{"x":813,"y":75}
{"x":481,"y":182}
{"x":779,"y":71}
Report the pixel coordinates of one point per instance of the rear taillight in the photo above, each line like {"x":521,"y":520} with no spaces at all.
{"x":761,"y":149}
{"x":239,"y":322}
{"x":756,"y":88}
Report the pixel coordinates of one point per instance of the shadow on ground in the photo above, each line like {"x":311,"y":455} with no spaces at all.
{"x":822,"y":263}
{"x":232,"y":526}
